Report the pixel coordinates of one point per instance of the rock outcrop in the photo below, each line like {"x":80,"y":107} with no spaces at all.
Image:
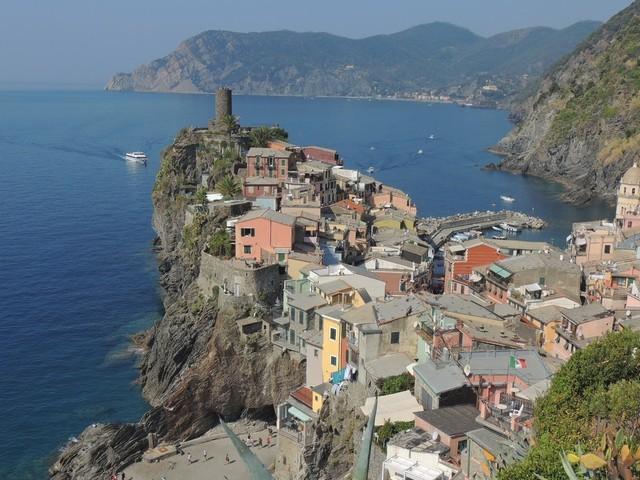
{"x":195,"y":366}
{"x":582,"y":126}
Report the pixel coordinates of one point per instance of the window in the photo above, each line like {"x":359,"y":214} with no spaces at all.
{"x":283,"y":162}
{"x":283,"y":172}
{"x":247,"y":232}
{"x":629,"y":224}
{"x":395,"y":337}
{"x":250,"y":189}
{"x":633,"y":191}
{"x":300,"y":317}
{"x":246,"y":249}
{"x":315,"y":352}
{"x":334,"y":360}
{"x":607,"y":249}
{"x":333,"y":333}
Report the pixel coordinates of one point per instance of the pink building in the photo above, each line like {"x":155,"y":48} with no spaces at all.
{"x":325,"y":155}
{"x":268,"y":162}
{"x":265,"y":235}
{"x":579,"y":327}
{"x":387,"y":196}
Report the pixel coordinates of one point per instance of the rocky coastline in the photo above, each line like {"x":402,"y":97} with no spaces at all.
{"x":193,"y":368}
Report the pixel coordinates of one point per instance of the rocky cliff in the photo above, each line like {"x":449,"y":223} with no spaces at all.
{"x":195,"y":366}
{"x":582,"y":126}
{"x":432,"y":56}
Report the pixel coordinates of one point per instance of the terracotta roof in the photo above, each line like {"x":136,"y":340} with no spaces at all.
{"x":304,"y":395}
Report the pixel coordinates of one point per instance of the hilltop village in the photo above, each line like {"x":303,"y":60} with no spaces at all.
{"x":457,"y":332}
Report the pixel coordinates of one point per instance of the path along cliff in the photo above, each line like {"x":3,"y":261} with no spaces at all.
{"x":195,"y":365}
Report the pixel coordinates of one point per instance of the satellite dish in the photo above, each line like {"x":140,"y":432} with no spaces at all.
{"x":467,"y":370}
{"x":435,"y":437}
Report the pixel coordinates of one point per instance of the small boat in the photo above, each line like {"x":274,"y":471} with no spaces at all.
{"x":372,"y":148}
{"x":506,"y":198}
{"x":432,"y":137}
{"x":136,"y":157}
{"x":419,"y":152}
{"x":499,"y":237}
{"x":497,"y":229}
{"x":371,"y":170}
{"x":509,"y":228}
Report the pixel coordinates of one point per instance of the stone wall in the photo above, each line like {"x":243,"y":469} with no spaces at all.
{"x":239,"y":279}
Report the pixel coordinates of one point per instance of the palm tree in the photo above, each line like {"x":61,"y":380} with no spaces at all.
{"x":230,"y":123}
{"x":228,"y":187}
{"x":261,"y":136}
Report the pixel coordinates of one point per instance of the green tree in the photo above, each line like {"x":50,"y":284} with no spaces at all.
{"x":598,"y":385}
{"x":228,"y":186}
{"x":396,"y":384}
{"x":220,"y":244}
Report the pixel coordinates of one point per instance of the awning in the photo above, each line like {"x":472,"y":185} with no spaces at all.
{"x":299,"y":414}
{"x":337,"y":377}
{"x":457,"y":248}
{"x":533,"y":287}
{"x":581,"y":241}
{"x":397,"y":407}
{"x":501,"y":272}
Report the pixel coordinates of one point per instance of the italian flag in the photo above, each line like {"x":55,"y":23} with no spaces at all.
{"x":517,"y":362}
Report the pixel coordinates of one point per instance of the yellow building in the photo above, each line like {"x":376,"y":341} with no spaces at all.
{"x":334,"y":344}
{"x":628,"y":193}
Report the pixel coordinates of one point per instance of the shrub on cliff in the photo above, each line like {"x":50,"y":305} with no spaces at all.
{"x":599,"y":385}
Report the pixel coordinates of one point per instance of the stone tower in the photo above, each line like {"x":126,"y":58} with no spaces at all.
{"x":628,"y":193}
{"x":224,"y":105}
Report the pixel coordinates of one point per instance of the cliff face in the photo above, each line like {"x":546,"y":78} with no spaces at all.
{"x":195,"y":366}
{"x":582,"y":126}
{"x":431,"y":56}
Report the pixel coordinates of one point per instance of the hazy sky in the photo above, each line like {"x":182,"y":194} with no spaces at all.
{"x":85,"y":41}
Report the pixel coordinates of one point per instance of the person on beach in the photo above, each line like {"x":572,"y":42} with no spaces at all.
{"x":260,"y":442}
{"x":226,"y":459}
{"x":204,"y":455}
{"x":188,"y":458}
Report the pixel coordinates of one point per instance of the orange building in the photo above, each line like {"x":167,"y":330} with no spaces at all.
{"x":265,"y":235}
{"x":387,"y":196}
{"x":461,"y":258}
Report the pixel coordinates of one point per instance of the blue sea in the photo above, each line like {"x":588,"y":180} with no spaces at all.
{"x":77,"y":271}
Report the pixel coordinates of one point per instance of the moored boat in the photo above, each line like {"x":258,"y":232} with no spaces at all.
{"x":506,"y":198}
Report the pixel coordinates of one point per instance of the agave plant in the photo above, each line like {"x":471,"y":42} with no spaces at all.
{"x":361,"y":470}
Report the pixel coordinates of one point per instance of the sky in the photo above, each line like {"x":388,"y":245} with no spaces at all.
{"x":84,"y":42}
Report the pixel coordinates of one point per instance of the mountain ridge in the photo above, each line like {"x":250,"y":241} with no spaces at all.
{"x":435,"y":56}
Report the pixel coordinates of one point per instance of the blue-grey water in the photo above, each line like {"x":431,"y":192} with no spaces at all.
{"x":77,"y":271}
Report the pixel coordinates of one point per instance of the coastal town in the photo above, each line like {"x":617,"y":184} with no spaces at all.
{"x":453,"y":324}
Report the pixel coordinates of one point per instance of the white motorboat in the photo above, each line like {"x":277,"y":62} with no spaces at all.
{"x":371,"y":170}
{"x":506,"y":198}
{"x":509,"y":228}
{"x":497,"y":229}
{"x":136,"y":157}
{"x":420,"y":152}
{"x":432,"y":137}
{"x":499,"y":237}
